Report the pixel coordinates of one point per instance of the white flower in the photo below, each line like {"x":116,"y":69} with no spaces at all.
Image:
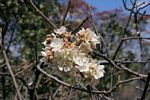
{"x":82,"y":68}
{"x":44,"y":43}
{"x":44,"y":58}
{"x":64,"y":68}
{"x":65,"y":65}
{"x":81,"y":32}
{"x":95,"y":70}
{"x":63,"y":59}
{"x":85,"y":48}
{"x":80,"y":59}
{"x":99,"y":72}
{"x":92,"y":37}
{"x":81,"y":62}
{"x":43,"y":53}
{"x":89,"y":36}
{"x":57,"y":44}
{"x":61,"y":30}
{"x":72,"y":54}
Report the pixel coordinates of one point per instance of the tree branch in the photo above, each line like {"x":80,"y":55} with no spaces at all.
{"x":65,"y":15}
{"x":146,"y":87}
{"x":76,"y":29}
{"x":12,"y":75}
{"x":43,"y":16}
{"x":125,"y":30}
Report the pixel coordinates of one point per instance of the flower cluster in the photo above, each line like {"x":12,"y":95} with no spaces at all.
{"x":67,"y":51}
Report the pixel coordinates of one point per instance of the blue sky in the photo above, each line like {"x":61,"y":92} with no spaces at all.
{"x":103,"y":5}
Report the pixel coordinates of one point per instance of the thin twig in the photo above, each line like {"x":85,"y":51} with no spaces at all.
{"x":105,"y":62}
{"x":146,"y":87}
{"x":18,"y":78}
{"x":122,"y":40}
{"x":12,"y":75}
{"x":76,"y":29}
{"x":33,"y":82}
{"x":23,"y":82}
{"x":125,"y":30}
{"x":43,"y":16}
{"x":1,"y":66}
{"x":134,"y":38}
{"x":4,"y":29}
{"x":121,"y":67}
{"x":128,"y":9}
{"x":118,"y":84}
{"x":65,"y":15}
{"x":24,"y":69}
{"x":142,"y":76}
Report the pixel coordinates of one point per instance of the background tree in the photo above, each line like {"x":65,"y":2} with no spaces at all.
{"x":124,"y":50}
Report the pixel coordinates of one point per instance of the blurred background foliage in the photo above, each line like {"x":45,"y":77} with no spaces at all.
{"x":25,"y":30}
